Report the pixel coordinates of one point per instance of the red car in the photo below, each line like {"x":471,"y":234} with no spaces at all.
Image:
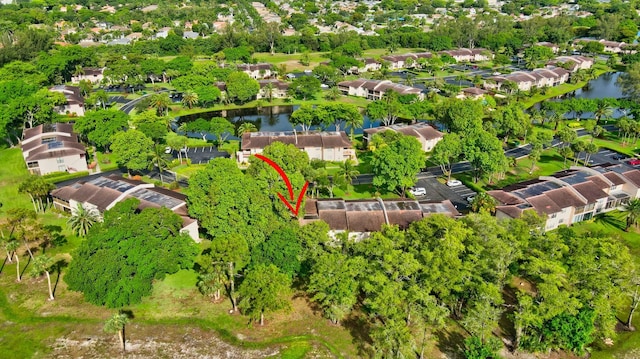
{"x":634,"y":162}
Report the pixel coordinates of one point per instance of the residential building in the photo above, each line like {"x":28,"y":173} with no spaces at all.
{"x":572,"y":63}
{"x":326,"y":146}
{"x":555,"y":48}
{"x":473,"y":93}
{"x":609,"y":46}
{"x":102,"y":193}
{"x":361,"y":217}
{"x":526,"y":80}
{"x":469,"y":55}
{"x":423,"y":132}
{"x":190,"y":35}
{"x":272,"y":89}
{"x":375,"y":89}
{"x":405,"y":60}
{"x":51,"y":148}
{"x":570,"y":196}
{"x":75,"y":101}
{"x":91,"y":74}
{"x":370,"y":65}
{"x":257,"y":71}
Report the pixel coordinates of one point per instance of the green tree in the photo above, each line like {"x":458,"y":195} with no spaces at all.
{"x":246,"y":127}
{"x":132,"y":150}
{"x":630,"y":81}
{"x":190,"y":99}
{"x":177,"y":143}
{"x":161,"y":102}
{"x":305,"y":117}
{"x":264,"y":290}
{"x":82,"y":219}
{"x":100,"y":126}
{"x":116,"y":324}
{"x":225,"y":202}
{"x":333,"y":284}
{"x":396,"y":165}
{"x":152,"y":125}
{"x":241,"y":87}
{"x":305,"y":87}
{"x":483,"y":202}
{"x":12,"y":247}
{"x":511,"y":121}
{"x":123,"y":255}
{"x":230,"y":253}
{"x":446,"y":152}
{"x":282,"y":249}
{"x":221,"y":128}
{"x":38,"y":189}
{"x":347,"y":170}
{"x":42,"y":265}
{"x":207,"y":95}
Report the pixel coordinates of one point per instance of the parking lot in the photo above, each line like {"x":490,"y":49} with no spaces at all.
{"x":200,"y":155}
{"x":437,"y":191}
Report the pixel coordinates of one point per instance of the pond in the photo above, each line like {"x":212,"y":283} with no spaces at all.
{"x":266,"y":119}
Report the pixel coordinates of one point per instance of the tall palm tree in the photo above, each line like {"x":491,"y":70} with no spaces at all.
{"x":116,"y":324}
{"x":633,"y":213}
{"x":159,"y":159}
{"x":246,"y":127}
{"x":348,"y":171}
{"x":83,"y":219}
{"x":42,"y":264}
{"x":189,"y":99}
{"x":161,"y":102}
{"x":603,"y":109}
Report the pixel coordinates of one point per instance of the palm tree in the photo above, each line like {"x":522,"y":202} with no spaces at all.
{"x":596,"y":132}
{"x":603,"y":109}
{"x":633,"y":213}
{"x":159,"y":159}
{"x":41,"y":265}
{"x":348,"y":171}
{"x":246,"y":127}
{"x":12,"y":247}
{"x":83,"y":219}
{"x":161,"y":102}
{"x":116,"y":324}
{"x":268,"y":91}
{"x":189,"y":99}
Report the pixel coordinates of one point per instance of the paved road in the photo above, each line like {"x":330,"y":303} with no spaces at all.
{"x":129,"y":106}
{"x":438,"y":192}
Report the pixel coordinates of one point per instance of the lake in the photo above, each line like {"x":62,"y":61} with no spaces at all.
{"x":266,"y":119}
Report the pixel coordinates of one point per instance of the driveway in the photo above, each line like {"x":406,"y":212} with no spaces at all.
{"x":438,"y":192}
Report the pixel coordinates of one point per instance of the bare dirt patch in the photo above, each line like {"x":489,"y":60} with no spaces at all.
{"x":151,"y":341}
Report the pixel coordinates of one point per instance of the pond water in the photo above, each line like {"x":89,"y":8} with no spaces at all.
{"x":605,"y":86}
{"x":267,"y":119}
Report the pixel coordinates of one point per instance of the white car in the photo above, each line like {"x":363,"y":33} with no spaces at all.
{"x":470,"y":199}
{"x":167,"y":150}
{"x":418,"y":191}
{"x":453,"y":183}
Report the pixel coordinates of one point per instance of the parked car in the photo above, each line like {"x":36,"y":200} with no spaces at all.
{"x":418,"y":191}
{"x":453,"y":183}
{"x":167,"y":150}
{"x":470,"y":199}
{"x":618,"y":157}
{"x":634,"y":162}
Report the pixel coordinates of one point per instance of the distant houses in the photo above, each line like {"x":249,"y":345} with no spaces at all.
{"x":423,"y":132}
{"x":570,"y":196}
{"x":75,"y":101}
{"x":103,"y":193}
{"x":469,"y":55}
{"x":573,"y":63}
{"x":51,"y":148}
{"x":360,"y":217}
{"x":257,"y":71}
{"x":91,"y":74}
{"x":473,"y":93}
{"x":272,"y":89}
{"x":401,"y":61}
{"x":375,"y":89}
{"x":526,"y":80}
{"x":326,"y":146}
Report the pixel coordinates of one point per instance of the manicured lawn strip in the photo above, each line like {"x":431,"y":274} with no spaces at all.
{"x":188,"y":171}
{"x":107,"y":157}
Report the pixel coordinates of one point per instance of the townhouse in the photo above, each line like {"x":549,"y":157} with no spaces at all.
{"x":570,"y":196}
{"x":74,"y":103}
{"x":473,"y":93}
{"x":554,"y":48}
{"x":51,"y":148}
{"x":272,"y":88}
{"x":405,"y":60}
{"x":609,"y":46}
{"x":327,"y":146}
{"x":572,"y":63}
{"x":469,"y":55}
{"x":423,"y":132}
{"x":257,"y":71}
{"x":361,"y":217}
{"x":375,"y":89}
{"x":91,"y":74}
{"x":102,"y":193}
{"x":526,"y":80}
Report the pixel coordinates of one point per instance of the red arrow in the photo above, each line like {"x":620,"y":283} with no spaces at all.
{"x":289,"y":187}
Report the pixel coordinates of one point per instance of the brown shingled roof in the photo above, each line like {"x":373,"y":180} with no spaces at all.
{"x":544,"y":204}
{"x":85,"y":192}
{"x":633,"y":176}
{"x":614,"y":178}
{"x":505,"y":198}
{"x":565,"y":197}
{"x":590,"y":191}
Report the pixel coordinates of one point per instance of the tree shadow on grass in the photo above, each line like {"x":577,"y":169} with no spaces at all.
{"x":4,"y":262}
{"x":24,"y":268}
{"x":359,"y":328}
{"x":611,"y":221}
{"x":450,"y":343}
{"x":62,"y":263}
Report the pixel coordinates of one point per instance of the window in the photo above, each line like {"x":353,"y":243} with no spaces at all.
{"x":62,"y":168}
{"x":32,"y":164}
{"x":60,"y":160}
{"x":48,"y":139}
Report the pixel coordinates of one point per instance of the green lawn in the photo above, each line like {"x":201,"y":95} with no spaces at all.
{"x":107,"y":161}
